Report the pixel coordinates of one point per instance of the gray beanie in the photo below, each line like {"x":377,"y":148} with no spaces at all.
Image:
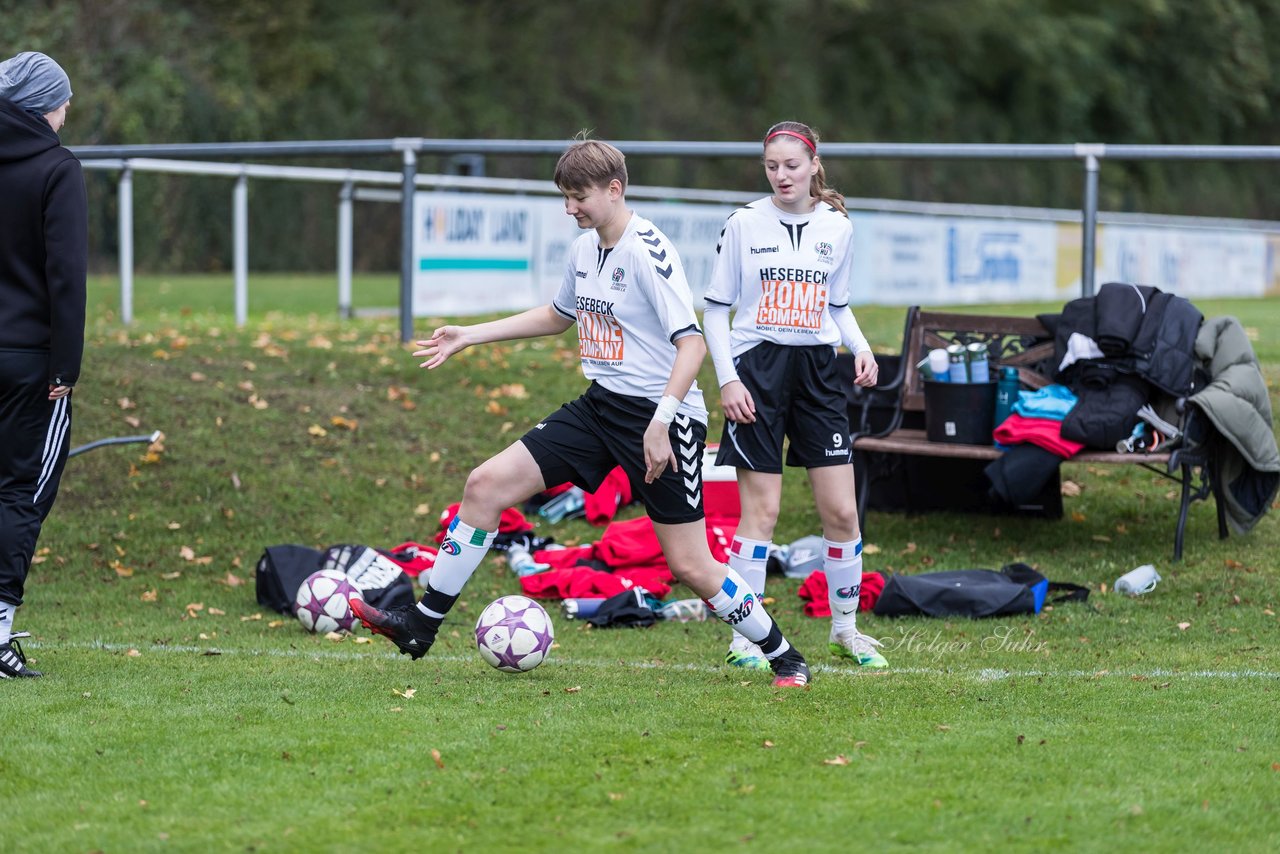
{"x":34,"y":82}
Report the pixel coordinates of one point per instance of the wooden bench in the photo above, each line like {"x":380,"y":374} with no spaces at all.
{"x":888,"y":420}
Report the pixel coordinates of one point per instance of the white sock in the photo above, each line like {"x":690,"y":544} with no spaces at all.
{"x":460,"y":553}
{"x":6,"y":621}
{"x":736,"y":603}
{"x":842,"y":562}
{"x":749,"y":558}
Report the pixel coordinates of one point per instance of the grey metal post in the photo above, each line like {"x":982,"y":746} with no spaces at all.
{"x":345,"y":195}
{"x":410,"y":149}
{"x":1089,"y":220}
{"x":240,"y":261}
{"x":125,"y":190}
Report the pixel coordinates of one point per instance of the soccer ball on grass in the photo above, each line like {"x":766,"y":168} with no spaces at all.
{"x":323,"y":603}
{"x":514,"y":634}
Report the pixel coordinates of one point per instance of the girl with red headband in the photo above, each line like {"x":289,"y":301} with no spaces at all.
{"x":784,"y":260}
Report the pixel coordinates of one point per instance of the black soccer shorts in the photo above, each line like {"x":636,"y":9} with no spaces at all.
{"x":798,"y":396}
{"x":587,"y":438}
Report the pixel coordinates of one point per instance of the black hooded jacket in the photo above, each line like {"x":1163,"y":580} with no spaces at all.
{"x":43,"y":243}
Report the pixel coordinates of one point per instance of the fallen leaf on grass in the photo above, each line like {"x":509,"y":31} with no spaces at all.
{"x":838,"y":760}
{"x":943,"y":728}
{"x":1070,"y":488}
{"x":173,"y":526}
{"x":275,"y":624}
{"x":317,"y":431}
{"x":407,"y":693}
{"x":149,"y":595}
{"x":248,"y":617}
{"x":232,"y":580}
{"x":1184,"y":626}
{"x":362,"y":639}
{"x":575,"y":689}
{"x":344,"y":423}
{"x":616,"y":796}
{"x":170,"y":576}
{"x":1077,"y":516}
{"x":133,"y":653}
{"x":334,"y":636}
{"x":217,"y":612}
{"x":121,"y":570}
{"x":422,"y":510}
{"x":435,"y":757}
{"x":870,"y":549}
{"x":767,"y":743}
{"x":187,"y":553}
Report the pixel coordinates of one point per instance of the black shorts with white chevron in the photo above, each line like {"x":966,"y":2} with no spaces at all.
{"x":585,"y":439}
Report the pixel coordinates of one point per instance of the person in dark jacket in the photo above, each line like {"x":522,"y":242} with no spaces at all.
{"x":43,"y":259}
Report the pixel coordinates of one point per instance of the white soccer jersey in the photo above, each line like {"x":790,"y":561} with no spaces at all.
{"x":785,"y":271}
{"x":631,"y":303}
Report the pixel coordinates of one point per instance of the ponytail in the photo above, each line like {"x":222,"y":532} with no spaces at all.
{"x":830,"y":195}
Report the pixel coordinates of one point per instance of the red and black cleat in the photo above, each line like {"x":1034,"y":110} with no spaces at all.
{"x":408,"y":628}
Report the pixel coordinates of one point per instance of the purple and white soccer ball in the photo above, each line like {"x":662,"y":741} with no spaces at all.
{"x":323,"y":603}
{"x":514,"y":634}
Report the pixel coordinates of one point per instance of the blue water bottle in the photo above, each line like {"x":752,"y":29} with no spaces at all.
{"x":1007,"y":391}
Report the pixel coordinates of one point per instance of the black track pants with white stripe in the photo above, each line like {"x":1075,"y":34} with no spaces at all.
{"x":35,"y":435}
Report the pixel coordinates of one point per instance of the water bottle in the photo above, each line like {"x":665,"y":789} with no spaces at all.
{"x":522,"y":563}
{"x":958,"y":367}
{"x":1007,"y":392}
{"x":684,"y":611}
{"x":939,"y":366}
{"x":979,"y":372}
{"x":580,"y":609}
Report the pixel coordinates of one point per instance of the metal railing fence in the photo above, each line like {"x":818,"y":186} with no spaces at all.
{"x":128,"y":158}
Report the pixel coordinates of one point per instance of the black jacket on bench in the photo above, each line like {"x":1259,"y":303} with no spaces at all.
{"x":1144,"y":332}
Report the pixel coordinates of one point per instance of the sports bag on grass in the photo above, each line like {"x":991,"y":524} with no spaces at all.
{"x":282,"y":569}
{"x":1015,"y":589}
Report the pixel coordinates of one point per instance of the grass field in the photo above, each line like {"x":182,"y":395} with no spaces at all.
{"x":179,"y":715}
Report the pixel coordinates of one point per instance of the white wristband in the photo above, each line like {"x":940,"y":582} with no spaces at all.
{"x":667,"y":407}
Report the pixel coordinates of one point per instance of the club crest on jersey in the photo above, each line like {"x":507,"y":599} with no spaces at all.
{"x":825,"y":250}
{"x":618,"y":275}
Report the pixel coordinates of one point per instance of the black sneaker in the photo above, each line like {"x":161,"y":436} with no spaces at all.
{"x":407,"y":627}
{"x":790,"y":670}
{"x":13,"y":664}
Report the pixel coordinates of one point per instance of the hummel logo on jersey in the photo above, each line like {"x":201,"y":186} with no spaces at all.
{"x":580,"y":274}
{"x":763,"y":250}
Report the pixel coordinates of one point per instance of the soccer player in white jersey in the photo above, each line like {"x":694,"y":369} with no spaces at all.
{"x":784,"y":260}
{"x":641,"y":347}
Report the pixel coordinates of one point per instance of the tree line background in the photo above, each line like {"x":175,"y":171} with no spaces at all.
{"x":1009,"y":71}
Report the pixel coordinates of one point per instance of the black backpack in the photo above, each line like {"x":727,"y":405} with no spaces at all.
{"x":282,"y":569}
{"x":1015,"y":589}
